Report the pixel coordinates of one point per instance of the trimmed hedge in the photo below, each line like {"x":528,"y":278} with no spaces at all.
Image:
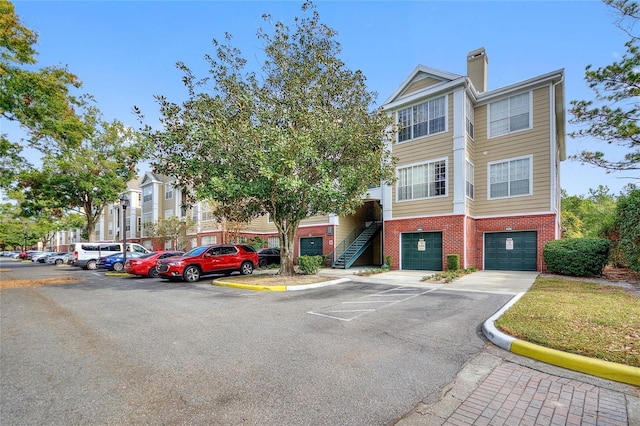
{"x":309,"y":265}
{"x":580,"y":257}
{"x":453,"y":262}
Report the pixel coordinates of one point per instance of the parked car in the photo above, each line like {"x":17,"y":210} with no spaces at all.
{"x":86,"y":255}
{"x":211,"y":259}
{"x":42,"y":257}
{"x":58,"y":258}
{"x":31,"y":254}
{"x":115,"y":262}
{"x":268,"y":256}
{"x":146,"y":265}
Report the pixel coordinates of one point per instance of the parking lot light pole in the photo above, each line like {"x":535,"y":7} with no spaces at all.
{"x":124,"y":202}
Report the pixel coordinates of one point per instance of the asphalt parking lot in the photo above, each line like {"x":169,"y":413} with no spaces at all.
{"x":131,"y":350}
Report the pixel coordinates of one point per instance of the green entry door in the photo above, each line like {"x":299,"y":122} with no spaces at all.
{"x":422,"y":251}
{"x":511,"y":251}
{"x":311,"y":246}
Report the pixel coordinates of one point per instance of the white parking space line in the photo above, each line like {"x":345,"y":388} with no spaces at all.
{"x":401,"y":294}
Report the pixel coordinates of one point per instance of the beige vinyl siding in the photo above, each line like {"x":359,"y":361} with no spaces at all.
{"x":315,"y":220}
{"x":261,"y":224}
{"x":533,"y":142}
{"x":347,"y":225}
{"x":422,"y":150}
{"x":209,"y":225}
{"x":418,"y":85}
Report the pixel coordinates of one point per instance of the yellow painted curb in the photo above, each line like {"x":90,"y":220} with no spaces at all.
{"x":117,"y":274}
{"x":595,"y":367}
{"x":250,"y":287}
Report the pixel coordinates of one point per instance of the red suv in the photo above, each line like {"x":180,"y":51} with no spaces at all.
{"x":205,"y":260}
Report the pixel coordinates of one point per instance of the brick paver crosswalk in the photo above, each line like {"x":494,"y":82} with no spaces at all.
{"x":516,"y":395}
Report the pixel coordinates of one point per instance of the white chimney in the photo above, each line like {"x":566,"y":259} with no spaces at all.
{"x":477,"y":64}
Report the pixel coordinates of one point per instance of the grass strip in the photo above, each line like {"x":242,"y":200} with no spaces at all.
{"x":583,"y":318}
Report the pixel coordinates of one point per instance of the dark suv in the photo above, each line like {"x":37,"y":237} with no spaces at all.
{"x":206,"y":260}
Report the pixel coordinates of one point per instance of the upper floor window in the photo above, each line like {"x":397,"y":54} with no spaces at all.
{"x":510,"y":178}
{"x":469,"y":179}
{"x":147,"y":194}
{"x":207,"y":215}
{"x":168,"y":191}
{"x":469,"y":116}
{"x":422,"y":181}
{"x":426,"y":118}
{"x":510,"y":115}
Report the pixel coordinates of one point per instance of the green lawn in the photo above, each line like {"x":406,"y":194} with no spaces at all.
{"x":578,"y":317}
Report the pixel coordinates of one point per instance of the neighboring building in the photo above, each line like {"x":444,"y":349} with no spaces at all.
{"x":477,"y":175}
{"x":478,"y":169}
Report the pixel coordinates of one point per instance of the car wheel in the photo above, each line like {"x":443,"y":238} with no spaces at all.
{"x":246,"y":268}
{"x":263,"y":263}
{"x":153,"y":273}
{"x":91,"y":265}
{"x":118,"y":266}
{"x":191,"y":274}
{"x":58,"y":261}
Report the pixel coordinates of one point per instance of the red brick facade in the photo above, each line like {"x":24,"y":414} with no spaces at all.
{"x":453,"y":235}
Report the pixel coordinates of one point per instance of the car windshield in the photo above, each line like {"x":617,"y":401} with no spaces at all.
{"x":195,"y":251}
{"x":144,"y":256}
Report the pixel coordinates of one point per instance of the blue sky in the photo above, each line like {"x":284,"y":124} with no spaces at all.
{"x":125,"y":52}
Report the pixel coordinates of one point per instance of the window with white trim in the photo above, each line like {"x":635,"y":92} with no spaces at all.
{"x":426,"y":118}
{"x":469,"y":115}
{"x":147,"y":194}
{"x":206,"y":215}
{"x":168,"y":213}
{"x":147,"y":220}
{"x":273,"y":242}
{"x":510,"y":115}
{"x":422,"y":181}
{"x":510,"y":178}
{"x":469,"y":179}
{"x":168,"y":191}
{"x":208,"y":239}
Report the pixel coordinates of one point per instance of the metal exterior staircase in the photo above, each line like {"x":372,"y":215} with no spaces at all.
{"x":354,"y":245}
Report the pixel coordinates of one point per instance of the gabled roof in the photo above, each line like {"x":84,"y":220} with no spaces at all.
{"x":134,"y":184}
{"x":422,"y":72}
{"x":150,"y":177}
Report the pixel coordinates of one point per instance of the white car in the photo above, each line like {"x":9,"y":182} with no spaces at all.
{"x":58,"y":259}
{"x":42,"y":257}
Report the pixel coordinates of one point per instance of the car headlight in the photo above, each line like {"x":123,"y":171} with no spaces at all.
{"x":175,"y":263}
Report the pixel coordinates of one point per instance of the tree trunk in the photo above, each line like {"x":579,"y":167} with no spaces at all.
{"x":91,"y":228}
{"x":287,"y":240}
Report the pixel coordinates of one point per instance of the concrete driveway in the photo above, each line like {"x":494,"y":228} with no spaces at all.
{"x":498,"y":282}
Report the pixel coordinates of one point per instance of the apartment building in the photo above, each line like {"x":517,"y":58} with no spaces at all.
{"x":478,"y":169}
{"x":477,"y":175}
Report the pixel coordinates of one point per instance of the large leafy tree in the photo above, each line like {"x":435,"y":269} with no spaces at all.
{"x":172,"y":229}
{"x":299,"y":139}
{"x":591,"y":216}
{"x":41,"y":100}
{"x":86,"y":177}
{"x":614,"y":115}
{"x":628,"y":215}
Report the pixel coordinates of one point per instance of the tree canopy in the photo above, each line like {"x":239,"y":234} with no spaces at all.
{"x":614,"y":115}
{"x":85,"y":177}
{"x":41,"y":100}
{"x":301,"y":138}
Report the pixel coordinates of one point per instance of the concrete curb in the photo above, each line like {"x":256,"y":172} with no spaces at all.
{"x":594,"y":367}
{"x":278,"y":287}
